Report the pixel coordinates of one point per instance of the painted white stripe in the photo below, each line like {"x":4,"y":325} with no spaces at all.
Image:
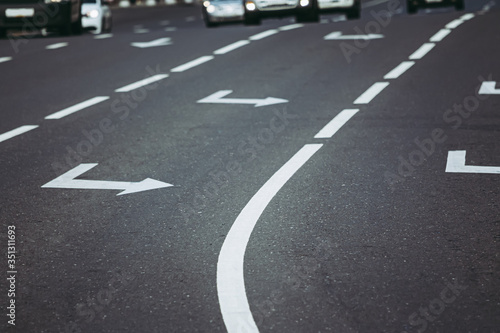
{"x":230,"y":276}
{"x":440,"y":35}
{"x":5,"y":59}
{"x":191,"y":64}
{"x":467,"y":17}
{"x":103,"y":36}
{"x":264,"y":34}
{"x":336,"y":123}
{"x":422,"y":51}
{"x":291,"y":27}
{"x":77,"y":107}
{"x":15,"y":132}
{"x":371,"y":93}
{"x":456,"y":164}
{"x":453,"y":24}
{"x":232,"y":47}
{"x":170,"y":29}
{"x":56,"y":46}
{"x":142,"y":83}
{"x":141,"y":31}
{"x":399,"y":70}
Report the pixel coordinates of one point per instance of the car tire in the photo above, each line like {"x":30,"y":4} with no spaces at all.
{"x":252,"y":20}
{"x":411,"y":8}
{"x":76,"y":28}
{"x":460,"y":5}
{"x":311,"y":15}
{"x":109,"y":28}
{"x":3,"y":33}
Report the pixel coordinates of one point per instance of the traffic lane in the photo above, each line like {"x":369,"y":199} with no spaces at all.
{"x":354,"y":254}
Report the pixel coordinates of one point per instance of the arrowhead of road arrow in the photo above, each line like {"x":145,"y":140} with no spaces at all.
{"x":146,"y":185}
{"x":270,"y":101}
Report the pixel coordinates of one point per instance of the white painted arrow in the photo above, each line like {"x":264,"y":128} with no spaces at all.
{"x":68,"y":180}
{"x":337,"y":35}
{"x":218,"y":98}
{"x":488,"y":88}
{"x":153,"y":43}
{"x":456,"y":164}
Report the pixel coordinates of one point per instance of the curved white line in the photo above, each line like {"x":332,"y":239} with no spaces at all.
{"x":230,"y":278}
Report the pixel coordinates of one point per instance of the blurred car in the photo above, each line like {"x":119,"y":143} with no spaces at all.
{"x":414,"y":5}
{"x":303,"y":10}
{"x":220,"y":11}
{"x":351,"y":8}
{"x":96,"y":16}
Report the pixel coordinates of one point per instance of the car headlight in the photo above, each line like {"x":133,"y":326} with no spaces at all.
{"x":250,"y":5}
{"x":206,"y":4}
{"x":94,"y":13}
{"x":304,"y":3}
{"x":52,"y":1}
{"x":211,"y":9}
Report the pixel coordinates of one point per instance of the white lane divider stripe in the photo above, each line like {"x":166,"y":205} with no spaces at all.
{"x":291,"y":27}
{"x":191,"y":64}
{"x":56,"y":46}
{"x":336,"y":123}
{"x":5,"y":59}
{"x":16,"y":132}
{"x":231,"y":47}
{"x":371,"y":93}
{"x":455,"y":23}
{"x":230,"y":278}
{"x":264,"y":34}
{"x":440,"y":35}
{"x":77,"y":107}
{"x":422,"y":51}
{"x":103,"y":36}
{"x":467,"y":17}
{"x":399,"y":70}
{"x":142,"y":83}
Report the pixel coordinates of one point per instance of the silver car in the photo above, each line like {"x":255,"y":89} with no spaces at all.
{"x":351,"y":8}
{"x":222,"y":11}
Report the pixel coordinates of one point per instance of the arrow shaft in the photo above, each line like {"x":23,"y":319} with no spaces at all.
{"x":90,"y":184}
{"x":218,"y":98}
{"x":456,"y":164}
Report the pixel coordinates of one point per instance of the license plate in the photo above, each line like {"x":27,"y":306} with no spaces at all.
{"x":20,"y":12}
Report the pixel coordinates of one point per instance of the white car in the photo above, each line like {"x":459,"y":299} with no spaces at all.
{"x":222,"y":11}
{"x":96,"y":16}
{"x":351,"y":8}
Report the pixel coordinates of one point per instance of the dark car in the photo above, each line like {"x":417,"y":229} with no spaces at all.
{"x":63,"y":16}
{"x":414,"y":5}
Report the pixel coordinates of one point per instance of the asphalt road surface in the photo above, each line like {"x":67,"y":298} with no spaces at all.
{"x":340,"y":176}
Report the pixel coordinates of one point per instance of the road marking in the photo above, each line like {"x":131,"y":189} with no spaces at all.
{"x":218,"y":99}
{"x":5,"y":59}
{"x":232,"y":47}
{"x":230,"y":276}
{"x":336,"y":123}
{"x":456,"y":164}
{"x":371,"y":93}
{"x":77,"y":107}
{"x":170,"y":29}
{"x":154,"y":43}
{"x":264,"y":34}
{"x":191,"y":64}
{"x":67,"y":180}
{"x":142,"y":83}
{"x":467,"y":17}
{"x":165,"y":22}
{"x":15,"y":132}
{"x":440,"y":35}
{"x":422,"y":51}
{"x":373,"y":3}
{"x":291,"y":27}
{"x":488,"y":88}
{"x":455,"y":23}
{"x":56,"y":46}
{"x":399,"y":70}
{"x":337,"y":35}
{"x":103,"y":36}
{"x":190,"y":18}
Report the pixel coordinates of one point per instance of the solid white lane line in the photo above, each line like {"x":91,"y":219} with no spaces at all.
{"x":232,"y":47}
{"x":467,"y":17}
{"x":371,"y":93}
{"x":56,"y":46}
{"x":422,"y":51}
{"x":103,"y":36}
{"x":5,"y":59}
{"x":291,"y":27}
{"x":440,"y":35}
{"x":455,"y":23}
{"x":264,"y":34}
{"x":142,"y":83}
{"x":191,"y":64}
{"x":16,"y":132}
{"x":336,"y":123}
{"x":230,"y":276}
{"x":399,"y":70}
{"x":77,"y":107}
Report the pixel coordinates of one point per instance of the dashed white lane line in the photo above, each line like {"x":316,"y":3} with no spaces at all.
{"x":291,"y":27}
{"x":440,"y":35}
{"x":170,"y":29}
{"x":77,"y":107}
{"x":455,"y":23}
{"x":230,"y":279}
{"x":371,"y":93}
{"x":5,"y":59}
{"x":103,"y":36}
{"x":191,"y":64}
{"x":336,"y":123}
{"x":56,"y":46}
{"x":16,"y":132}
{"x":399,"y":70}
{"x":467,"y":17}
{"x":264,"y":34}
{"x":142,"y":83}
{"x":232,"y":47}
{"x":422,"y":51}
